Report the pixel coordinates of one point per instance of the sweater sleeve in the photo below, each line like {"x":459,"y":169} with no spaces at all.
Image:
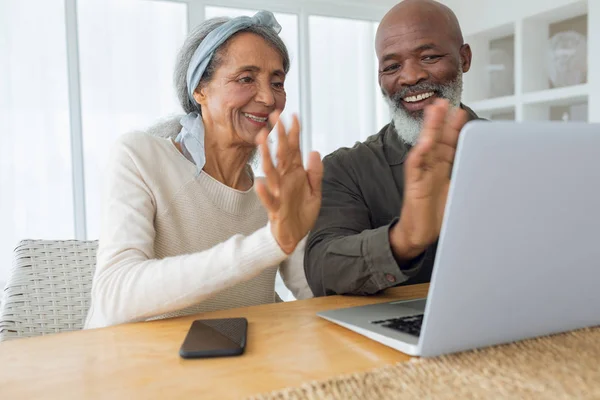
{"x":130,"y":284}
{"x":292,"y":273}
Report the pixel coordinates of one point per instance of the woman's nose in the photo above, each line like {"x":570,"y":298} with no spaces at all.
{"x":265,"y":95}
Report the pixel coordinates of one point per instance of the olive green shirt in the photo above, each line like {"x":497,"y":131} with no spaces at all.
{"x":348,"y":251}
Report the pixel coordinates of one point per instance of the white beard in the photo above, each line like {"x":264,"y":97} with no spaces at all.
{"x":409,"y":127}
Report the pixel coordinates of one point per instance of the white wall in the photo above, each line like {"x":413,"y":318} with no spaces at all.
{"x":478,"y":15}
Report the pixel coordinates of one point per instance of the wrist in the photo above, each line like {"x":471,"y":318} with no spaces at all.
{"x":402,"y":246}
{"x":285,"y":242}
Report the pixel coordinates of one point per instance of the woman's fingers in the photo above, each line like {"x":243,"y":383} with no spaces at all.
{"x":266,"y":198}
{"x":289,"y":158}
{"x":271,"y":174}
{"x":288,"y":149}
{"x":273,"y":120}
{"x":314,"y":170}
{"x":283,"y":158}
{"x":294,"y":140}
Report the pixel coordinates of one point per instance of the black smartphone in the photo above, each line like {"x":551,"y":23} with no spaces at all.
{"x":215,"y":338}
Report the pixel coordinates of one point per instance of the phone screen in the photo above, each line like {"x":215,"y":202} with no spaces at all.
{"x":215,"y":338}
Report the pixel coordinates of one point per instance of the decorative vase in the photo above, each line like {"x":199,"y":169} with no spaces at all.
{"x":567,"y":59}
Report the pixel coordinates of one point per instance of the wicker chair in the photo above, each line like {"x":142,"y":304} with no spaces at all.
{"x":48,"y":290}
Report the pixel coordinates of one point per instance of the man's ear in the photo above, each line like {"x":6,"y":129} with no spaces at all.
{"x":466,"y":56}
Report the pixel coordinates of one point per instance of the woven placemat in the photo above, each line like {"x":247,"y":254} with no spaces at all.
{"x":565,"y":366}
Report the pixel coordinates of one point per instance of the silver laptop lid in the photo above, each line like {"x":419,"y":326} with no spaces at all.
{"x":519,"y":251}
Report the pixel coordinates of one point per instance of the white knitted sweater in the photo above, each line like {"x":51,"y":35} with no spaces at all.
{"x":174,"y":244}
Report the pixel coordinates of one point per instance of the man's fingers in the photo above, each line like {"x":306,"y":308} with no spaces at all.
{"x":457,"y":118}
{"x":445,"y":154}
{"x":433,"y":125}
{"x":418,"y":160}
{"x":434,"y":120}
{"x":446,"y":150}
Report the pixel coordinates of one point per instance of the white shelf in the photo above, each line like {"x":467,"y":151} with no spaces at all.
{"x":498,"y":104}
{"x":525,"y":33}
{"x":558,"y":96}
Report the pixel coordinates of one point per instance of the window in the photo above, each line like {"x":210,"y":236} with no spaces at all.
{"x":36,"y":196}
{"x":345,"y":98}
{"x":127,"y":55}
{"x":382,"y":110}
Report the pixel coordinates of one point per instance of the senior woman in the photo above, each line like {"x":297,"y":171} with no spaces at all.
{"x":183,"y":228}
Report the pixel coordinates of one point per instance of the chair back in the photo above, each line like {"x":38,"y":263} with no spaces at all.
{"x":48,"y":289}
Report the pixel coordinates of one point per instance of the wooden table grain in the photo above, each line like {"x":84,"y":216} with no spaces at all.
{"x":287,"y":345}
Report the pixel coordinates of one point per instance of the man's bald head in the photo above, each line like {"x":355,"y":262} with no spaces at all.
{"x":421,"y":57}
{"x":417,"y":10}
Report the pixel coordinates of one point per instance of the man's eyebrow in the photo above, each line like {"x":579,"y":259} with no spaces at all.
{"x":423,"y":47}
{"x":389,"y":56}
{"x":427,"y":46}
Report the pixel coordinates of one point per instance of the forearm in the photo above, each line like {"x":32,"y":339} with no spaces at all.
{"x":362,"y":263}
{"x":130,"y":287}
{"x":292,"y":273}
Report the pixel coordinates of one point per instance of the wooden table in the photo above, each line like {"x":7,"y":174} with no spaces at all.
{"x":287,"y":345}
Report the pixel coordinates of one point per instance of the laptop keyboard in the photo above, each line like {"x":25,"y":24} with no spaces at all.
{"x":410,"y":324}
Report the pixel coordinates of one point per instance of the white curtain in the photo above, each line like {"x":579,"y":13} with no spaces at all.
{"x":127,"y":52}
{"x":345,"y":102}
{"x":36,"y":196}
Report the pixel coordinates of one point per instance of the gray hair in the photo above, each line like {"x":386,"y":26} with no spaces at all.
{"x":193,"y":41}
{"x":409,"y":126}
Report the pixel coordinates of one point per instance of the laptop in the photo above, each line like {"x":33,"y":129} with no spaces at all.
{"x":519,"y":249}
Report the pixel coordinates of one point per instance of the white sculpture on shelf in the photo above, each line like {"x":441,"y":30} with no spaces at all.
{"x":567,"y":59}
